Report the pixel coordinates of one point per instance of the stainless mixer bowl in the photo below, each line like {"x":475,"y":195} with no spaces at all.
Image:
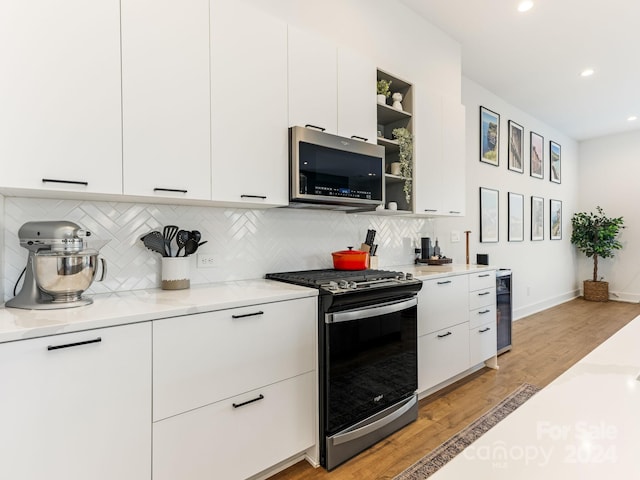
{"x":65,"y":276}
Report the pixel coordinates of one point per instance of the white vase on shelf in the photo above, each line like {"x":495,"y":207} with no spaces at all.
{"x":382,"y":99}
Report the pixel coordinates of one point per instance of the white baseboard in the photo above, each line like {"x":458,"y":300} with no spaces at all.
{"x":543,"y":305}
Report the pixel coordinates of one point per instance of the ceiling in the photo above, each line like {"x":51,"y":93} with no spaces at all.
{"x":533,"y":60}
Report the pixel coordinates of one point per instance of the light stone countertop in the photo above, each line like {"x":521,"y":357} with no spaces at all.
{"x":144,"y":305}
{"x":423,"y":271}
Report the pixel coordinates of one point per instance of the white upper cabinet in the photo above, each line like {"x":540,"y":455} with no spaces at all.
{"x":165,"y":98}
{"x":313,"y":81}
{"x":249,"y":106}
{"x":60,"y":116}
{"x":440,"y":155}
{"x":356,"y":96}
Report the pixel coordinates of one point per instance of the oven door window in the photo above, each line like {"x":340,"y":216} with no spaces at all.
{"x":371,"y":363}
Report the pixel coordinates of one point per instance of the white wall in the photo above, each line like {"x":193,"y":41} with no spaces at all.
{"x":543,"y":271}
{"x":609,"y":172}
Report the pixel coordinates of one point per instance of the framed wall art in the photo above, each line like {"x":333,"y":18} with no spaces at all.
{"x":489,"y":215}
{"x":489,"y":137}
{"x":516,"y":147}
{"x":516,"y":217}
{"x":536,"y":156}
{"x":555,"y":162}
{"x":537,"y":218}
{"x":555,"y":216}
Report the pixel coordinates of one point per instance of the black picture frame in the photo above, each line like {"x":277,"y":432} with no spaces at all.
{"x":555,"y":162}
{"x":555,"y":219}
{"x":515,"y":205}
{"x":516,"y":147}
{"x":489,"y":215}
{"x":537,"y":219}
{"x":489,"y":137}
{"x":536,"y":155}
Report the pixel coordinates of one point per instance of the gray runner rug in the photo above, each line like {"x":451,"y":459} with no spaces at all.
{"x":437,"y":458}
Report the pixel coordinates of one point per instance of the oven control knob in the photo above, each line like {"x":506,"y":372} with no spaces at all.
{"x":343,"y":284}
{"x":409,"y":276}
{"x":333,"y":285}
{"x":353,"y":285}
{"x":400,"y":276}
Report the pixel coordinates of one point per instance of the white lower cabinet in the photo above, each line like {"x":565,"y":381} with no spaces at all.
{"x":456,"y":326}
{"x":237,"y":437}
{"x":234,"y":391}
{"x":442,"y":355}
{"x":77,"y":406}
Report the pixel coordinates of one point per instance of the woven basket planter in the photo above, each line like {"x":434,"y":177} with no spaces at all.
{"x":596,"y":291}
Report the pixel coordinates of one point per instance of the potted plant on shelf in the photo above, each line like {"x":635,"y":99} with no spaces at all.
{"x":382,"y":89}
{"x":595,"y":235}
{"x":405,"y":156}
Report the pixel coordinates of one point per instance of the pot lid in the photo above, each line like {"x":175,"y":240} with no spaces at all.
{"x":349,"y":252}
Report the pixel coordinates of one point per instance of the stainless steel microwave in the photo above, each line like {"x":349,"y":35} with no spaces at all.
{"x":331,"y":171}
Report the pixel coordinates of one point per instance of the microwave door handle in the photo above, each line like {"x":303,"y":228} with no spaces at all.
{"x":381,"y":309}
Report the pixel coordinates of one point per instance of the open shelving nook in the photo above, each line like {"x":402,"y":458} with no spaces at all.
{"x":388,"y":119}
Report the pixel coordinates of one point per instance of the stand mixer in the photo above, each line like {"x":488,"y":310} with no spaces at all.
{"x":59,"y":268}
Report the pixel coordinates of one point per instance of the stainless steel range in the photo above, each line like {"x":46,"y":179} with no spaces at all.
{"x":368,"y":367}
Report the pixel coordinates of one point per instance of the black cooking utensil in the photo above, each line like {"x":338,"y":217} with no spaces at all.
{"x":371,"y":235}
{"x":154,"y":241}
{"x":196,"y":235}
{"x":190,"y":247}
{"x":169,"y":233}
{"x":181,"y":240}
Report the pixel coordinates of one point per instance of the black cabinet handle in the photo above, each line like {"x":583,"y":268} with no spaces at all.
{"x":454,"y":212}
{"x":71,"y":182}
{"x":174,"y":190}
{"x":444,"y":283}
{"x":444,"y":335}
{"x":484,"y":311}
{"x":356,"y":137}
{"x":261,"y":197}
{"x":483,"y":293}
{"x":244,"y":315}
{"x":76,"y":344}
{"x":308,"y":125}
{"x":430,"y":209}
{"x":484,"y":330}
{"x":238,"y":405}
{"x":484,"y":275}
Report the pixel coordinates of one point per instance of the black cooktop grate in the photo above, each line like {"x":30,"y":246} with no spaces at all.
{"x":316,"y":278}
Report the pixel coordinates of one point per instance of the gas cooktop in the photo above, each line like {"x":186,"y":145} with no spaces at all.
{"x":344,"y":281}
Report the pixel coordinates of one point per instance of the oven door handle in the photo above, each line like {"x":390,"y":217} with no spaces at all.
{"x":380,"y":309}
{"x":365,"y":430}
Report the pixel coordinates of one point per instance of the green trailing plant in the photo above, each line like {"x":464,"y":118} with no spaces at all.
{"x":595,"y":235}
{"x":405,"y":157}
{"x":382,"y":87}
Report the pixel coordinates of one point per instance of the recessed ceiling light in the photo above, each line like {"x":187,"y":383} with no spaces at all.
{"x":587,"y":72}
{"x":632,"y":118}
{"x":525,"y":6}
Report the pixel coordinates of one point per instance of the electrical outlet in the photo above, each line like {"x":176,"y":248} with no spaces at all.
{"x":205,"y":260}
{"x":455,"y":236}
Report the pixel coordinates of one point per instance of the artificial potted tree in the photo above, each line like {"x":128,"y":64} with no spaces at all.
{"x":595,"y":235}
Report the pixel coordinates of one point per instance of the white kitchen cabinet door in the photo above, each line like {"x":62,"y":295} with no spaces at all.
{"x":442,"y":355}
{"x":203,"y":358}
{"x":71,"y":410}
{"x":482,"y":342}
{"x":250,"y":162}
{"x":313,"y":81}
{"x":443,"y":302}
{"x":238,"y":437}
{"x":440,"y":156}
{"x":60,"y":115}
{"x":356,"y":96}
{"x":165,"y":98}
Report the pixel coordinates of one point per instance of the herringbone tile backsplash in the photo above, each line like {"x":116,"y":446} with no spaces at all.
{"x":244,"y":243}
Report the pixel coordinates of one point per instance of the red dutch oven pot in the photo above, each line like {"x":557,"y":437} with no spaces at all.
{"x":350,"y":259}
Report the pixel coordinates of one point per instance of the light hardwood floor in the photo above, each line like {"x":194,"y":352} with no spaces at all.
{"x":544,"y":345}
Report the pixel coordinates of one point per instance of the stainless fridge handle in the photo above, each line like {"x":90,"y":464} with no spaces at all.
{"x":380,"y":309}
